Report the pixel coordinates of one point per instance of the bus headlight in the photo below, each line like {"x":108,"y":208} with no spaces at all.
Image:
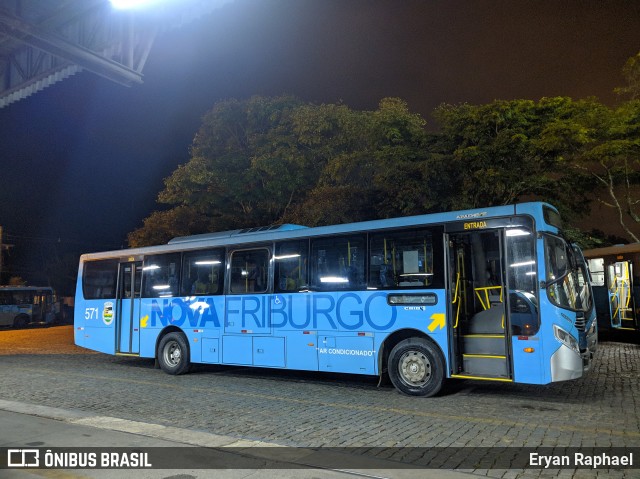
{"x":565,"y":338}
{"x":593,"y":327}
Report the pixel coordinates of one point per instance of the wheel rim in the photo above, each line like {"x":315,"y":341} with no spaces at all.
{"x":415,"y":368}
{"x":172,"y":354}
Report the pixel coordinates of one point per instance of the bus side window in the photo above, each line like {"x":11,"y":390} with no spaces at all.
{"x":203,"y":273}
{"x":401,"y":259}
{"x":160,"y":275}
{"x":5,"y":297}
{"x":99,"y":279}
{"x":291,"y":266}
{"x":249,"y":271}
{"x":338,"y":263}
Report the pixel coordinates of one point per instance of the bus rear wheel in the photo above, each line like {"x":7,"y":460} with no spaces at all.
{"x":173,"y":354}
{"x":416,"y":367}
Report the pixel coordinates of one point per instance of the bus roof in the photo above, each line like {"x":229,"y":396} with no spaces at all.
{"x":232,"y":233}
{"x":288,"y":231}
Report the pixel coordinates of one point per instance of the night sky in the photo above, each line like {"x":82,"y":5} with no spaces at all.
{"x":82,"y":161}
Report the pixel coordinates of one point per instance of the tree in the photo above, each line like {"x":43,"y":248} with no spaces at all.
{"x":242,"y":172}
{"x":161,"y":226}
{"x":16,"y":281}
{"x":243,"y":165}
{"x":609,"y":153}
{"x":268,"y":160}
{"x":495,"y":154}
{"x":375,"y":167}
{"x":631,"y":73}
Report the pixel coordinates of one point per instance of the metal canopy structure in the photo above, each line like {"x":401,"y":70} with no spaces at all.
{"x":45,"y":41}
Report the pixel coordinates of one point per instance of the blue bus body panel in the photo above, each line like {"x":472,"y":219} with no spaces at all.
{"x":97,"y":320}
{"x":148,"y":340}
{"x":340,"y":332}
{"x":346,"y":352}
{"x":529,"y":367}
{"x":184,"y":312}
{"x":198,"y":317}
{"x":210,"y":349}
{"x":128,"y":317}
{"x":237,"y":350}
{"x":247,"y":313}
{"x":268,"y":351}
{"x":301,"y":349}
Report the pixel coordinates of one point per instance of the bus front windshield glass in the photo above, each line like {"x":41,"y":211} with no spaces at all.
{"x":567,"y":284}
{"x":522,"y":280}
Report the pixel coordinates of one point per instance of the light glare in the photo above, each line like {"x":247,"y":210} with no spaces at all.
{"x":517,"y":232}
{"x":524,"y":263}
{"x":132,"y":4}
{"x":333,"y":279}
{"x":207,"y":262}
{"x":286,"y":256}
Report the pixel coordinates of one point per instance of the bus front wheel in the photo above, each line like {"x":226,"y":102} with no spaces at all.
{"x":173,"y":354}
{"x":416,"y":367}
{"x":20,"y":321}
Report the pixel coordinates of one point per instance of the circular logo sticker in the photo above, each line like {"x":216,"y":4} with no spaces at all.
{"x":107,"y":313}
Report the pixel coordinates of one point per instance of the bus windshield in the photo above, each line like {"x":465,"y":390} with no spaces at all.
{"x":566,"y":280}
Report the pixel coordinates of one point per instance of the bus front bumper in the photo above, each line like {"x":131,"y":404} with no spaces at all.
{"x":567,"y":364}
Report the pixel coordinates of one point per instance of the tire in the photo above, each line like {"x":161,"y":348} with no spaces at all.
{"x":173,"y":354}
{"x":416,"y":367}
{"x":20,"y":321}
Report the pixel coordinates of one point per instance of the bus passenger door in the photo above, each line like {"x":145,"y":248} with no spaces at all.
{"x":128,"y":308}
{"x":621,"y":301}
{"x":480,"y":345}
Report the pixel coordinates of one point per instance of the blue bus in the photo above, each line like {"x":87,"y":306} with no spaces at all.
{"x":22,"y":306}
{"x":493,"y":294}
{"x":615,"y":279}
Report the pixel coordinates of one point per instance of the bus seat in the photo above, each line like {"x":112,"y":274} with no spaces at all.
{"x":488,"y":321}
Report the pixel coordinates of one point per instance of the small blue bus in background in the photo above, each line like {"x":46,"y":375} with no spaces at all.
{"x":22,"y":306}
{"x":494,"y":294}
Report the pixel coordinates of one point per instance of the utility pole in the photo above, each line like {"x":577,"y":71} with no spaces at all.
{"x":1,"y":253}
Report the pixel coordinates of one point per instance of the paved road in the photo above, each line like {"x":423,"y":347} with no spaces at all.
{"x":234,"y":459}
{"x":316,"y":410}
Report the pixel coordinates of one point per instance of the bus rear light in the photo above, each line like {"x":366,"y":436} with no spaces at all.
{"x":361,"y":334}
{"x":528,"y":350}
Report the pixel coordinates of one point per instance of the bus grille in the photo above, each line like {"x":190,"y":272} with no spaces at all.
{"x":581,"y":322}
